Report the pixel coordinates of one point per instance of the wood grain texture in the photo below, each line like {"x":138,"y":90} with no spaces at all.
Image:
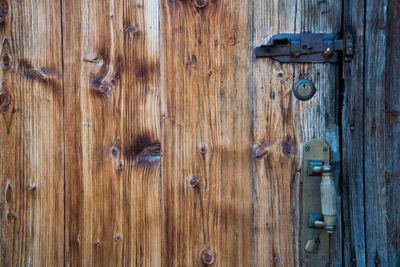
{"x":206,"y":132}
{"x":352,"y":133}
{"x":145,"y":133}
{"x":31,"y":134}
{"x":374,"y":132}
{"x":112,"y":134}
{"x":282,"y":124}
{"x":392,"y":133}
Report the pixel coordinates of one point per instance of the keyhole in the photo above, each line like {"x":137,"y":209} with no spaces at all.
{"x":304,"y":89}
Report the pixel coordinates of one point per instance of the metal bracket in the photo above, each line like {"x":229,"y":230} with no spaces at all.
{"x":307,"y":48}
{"x":316,"y":154}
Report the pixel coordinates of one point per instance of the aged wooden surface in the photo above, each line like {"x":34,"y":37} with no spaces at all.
{"x":374,"y":133}
{"x":206,"y":133}
{"x":31,"y":123}
{"x":112,"y":133}
{"x":370,"y":136}
{"x":145,"y":133}
{"x":392,"y":134}
{"x":282,"y":124}
{"x":352,"y":133}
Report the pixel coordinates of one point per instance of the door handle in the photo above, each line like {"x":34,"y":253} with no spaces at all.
{"x":319,"y":203}
{"x":328,"y":198}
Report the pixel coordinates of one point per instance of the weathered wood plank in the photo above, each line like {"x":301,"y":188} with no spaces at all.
{"x":31,"y":134}
{"x":392,"y":133}
{"x":282,"y":124}
{"x":206,"y":126}
{"x":374,"y":132}
{"x":352,"y":133}
{"x":111,"y":57}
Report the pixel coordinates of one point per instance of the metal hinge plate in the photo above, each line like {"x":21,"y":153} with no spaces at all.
{"x":307,"y":48}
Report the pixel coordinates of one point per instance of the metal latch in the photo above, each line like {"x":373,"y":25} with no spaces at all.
{"x":307,"y":48}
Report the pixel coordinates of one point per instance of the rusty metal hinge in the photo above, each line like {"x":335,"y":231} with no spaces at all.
{"x":307,"y":48}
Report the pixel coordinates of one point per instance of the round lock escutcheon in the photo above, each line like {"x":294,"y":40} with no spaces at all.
{"x":304,"y":89}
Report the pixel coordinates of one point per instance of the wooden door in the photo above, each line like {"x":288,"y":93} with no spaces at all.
{"x":146,"y":132}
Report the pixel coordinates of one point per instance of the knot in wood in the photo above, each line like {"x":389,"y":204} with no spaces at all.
{"x":260,"y":150}
{"x":192,"y":61}
{"x":132,"y":30}
{"x":104,"y":88}
{"x":114,"y":151}
{"x":121,"y":164}
{"x":8,"y":192}
{"x":32,"y":187}
{"x":207,"y":257}
{"x":118,"y":237}
{"x":200,"y":3}
{"x":203,"y":148}
{"x":5,"y":61}
{"x":3,"y":9}
{"x":11,"y":216}
{"x":194,"y":181}
{"x":4,"y":101}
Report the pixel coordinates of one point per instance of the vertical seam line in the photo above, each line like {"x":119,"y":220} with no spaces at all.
{"x":63,"y":122}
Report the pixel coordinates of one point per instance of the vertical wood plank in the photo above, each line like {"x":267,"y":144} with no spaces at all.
{"x":374,"y":132}
{"x":392,"y":133}
{"x":282,"y":124}
{"x":31,"y":134}
{"x":206,"y":133}
{"x":352,"y":133}
{"x":111,"y":59}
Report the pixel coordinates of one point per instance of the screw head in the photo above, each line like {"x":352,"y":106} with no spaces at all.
{"x":307,"y":149}
{"x":325,"y":149}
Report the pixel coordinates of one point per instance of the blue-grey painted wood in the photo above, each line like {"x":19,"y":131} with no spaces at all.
{"x":392,"y":133}
{"x":374,"y":132}
{"x":352,"y":140}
